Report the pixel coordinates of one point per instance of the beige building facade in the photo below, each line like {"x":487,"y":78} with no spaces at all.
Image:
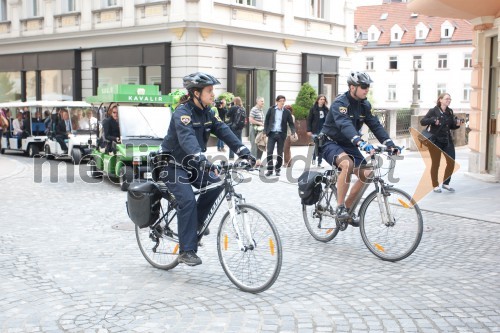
{"x":65,"y":49}
{"x":484,"y":138}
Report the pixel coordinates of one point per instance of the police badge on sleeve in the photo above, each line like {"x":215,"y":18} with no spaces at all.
{"x":185,"y":120}
{"x":343,"y":109}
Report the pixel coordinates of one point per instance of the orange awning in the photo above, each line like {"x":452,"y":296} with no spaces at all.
{"x":463,"y":9}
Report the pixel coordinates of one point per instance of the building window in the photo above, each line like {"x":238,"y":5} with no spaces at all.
{"x":369,"y":63}
{"x":417,"y":62}
{"x":467,"y":90}
{"x":391,"y":89}
{"x":32,"y":7}
{"x":446,"y":33}
{"x":393,"y":62}
{"x":246,"y":2}
{"x":441,"y":88}
{"x":396,"y":35}
{"x":3,"y":10}
{"x":442,"y":61}
{"x":468,"y":61}
{"x":109,"y":3}
{"x":68,"y":6}
{"x":317,"y":8}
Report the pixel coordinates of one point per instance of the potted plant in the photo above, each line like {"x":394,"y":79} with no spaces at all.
{"x":303,"y":103}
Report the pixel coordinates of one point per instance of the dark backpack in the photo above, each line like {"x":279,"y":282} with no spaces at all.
{"x":239,"y":119}
{"x":310,"y":187}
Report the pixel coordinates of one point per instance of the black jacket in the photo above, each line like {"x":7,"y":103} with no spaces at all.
{"x":60,"y":126}
{"x":347,"y":116}
{"x":447,"y":122}
{"x":314,"y":118}
{"x":286,"y":119}
{"x":190,"y":129}
{"x":111,"y":129}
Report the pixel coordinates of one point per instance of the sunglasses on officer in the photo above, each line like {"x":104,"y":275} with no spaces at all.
{"x":364,"y":86}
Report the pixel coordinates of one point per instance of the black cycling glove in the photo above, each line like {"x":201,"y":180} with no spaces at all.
{"x":245,"y":154}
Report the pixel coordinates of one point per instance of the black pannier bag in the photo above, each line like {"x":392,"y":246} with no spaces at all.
{"x":310,"y":187}
{"x":143,"y":203}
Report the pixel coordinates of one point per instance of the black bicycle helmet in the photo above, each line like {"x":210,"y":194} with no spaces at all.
{"x":199,"y":80}
{"x":358,"y":78}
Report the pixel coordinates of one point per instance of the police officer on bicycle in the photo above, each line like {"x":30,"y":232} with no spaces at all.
{"x":190,"y":127}
{"x":342,"y":141}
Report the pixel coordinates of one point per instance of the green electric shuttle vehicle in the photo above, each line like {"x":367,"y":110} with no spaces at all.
{"x":143,"y":118}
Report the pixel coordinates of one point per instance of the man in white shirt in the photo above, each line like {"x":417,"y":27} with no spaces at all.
{"x":89,"y":122}
{"x":18,"y":125}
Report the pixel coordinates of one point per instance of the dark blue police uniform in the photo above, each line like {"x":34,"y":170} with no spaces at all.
{"x":186,"y":141}
{"x":342,"y":128}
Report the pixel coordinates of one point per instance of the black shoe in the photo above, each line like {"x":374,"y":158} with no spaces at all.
{"x":189,"y":258}
{"x":277,"y":173}
{"x":342,"y":213}
{"x":269,"y":173}
{"x":354,"y":220}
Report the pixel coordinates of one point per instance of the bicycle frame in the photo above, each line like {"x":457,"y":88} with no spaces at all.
{"x":232,"y":199}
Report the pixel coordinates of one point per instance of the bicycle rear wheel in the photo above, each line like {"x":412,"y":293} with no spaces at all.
{"x":255,"y":267}
{"x":399,"y":235}
{"x":160,"y":245}
{"x":319,"y":218}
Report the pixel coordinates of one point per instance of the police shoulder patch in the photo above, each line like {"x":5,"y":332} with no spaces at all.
{"x":185,"y":120}
{"x":343,"y":109}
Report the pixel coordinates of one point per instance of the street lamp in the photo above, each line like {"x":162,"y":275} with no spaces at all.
{"x":414,"y":103}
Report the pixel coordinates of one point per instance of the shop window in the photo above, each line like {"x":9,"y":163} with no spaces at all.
{"x":317,"y":8}
{"x":118,"y":75}
{"x":57,"y":85}
{"x":467,"y":90}
{"x":417,"y":62}
{"x":10,"y":86}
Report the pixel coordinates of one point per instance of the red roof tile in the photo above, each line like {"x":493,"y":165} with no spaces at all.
{"x":398,"y":13}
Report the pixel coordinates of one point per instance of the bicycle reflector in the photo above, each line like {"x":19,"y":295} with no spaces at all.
{"x":379,"y":247}
{"x":404,"y":204}
{"x":271,"y":246}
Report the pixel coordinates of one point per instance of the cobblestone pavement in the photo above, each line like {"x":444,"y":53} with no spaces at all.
{"x":69,"y":262}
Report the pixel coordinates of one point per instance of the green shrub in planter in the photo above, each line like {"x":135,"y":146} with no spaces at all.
{"x":227,"y":96}
{"x":304,"y":101}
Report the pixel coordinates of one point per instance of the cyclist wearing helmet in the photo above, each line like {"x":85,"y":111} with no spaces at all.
{"x":190,"y":127}
{"x":342,"y":141}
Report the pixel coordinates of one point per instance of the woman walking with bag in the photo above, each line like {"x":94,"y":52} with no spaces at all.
{"x":441,"y":121}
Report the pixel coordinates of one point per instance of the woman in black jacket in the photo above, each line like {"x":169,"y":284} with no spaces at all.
{"x":315,"y":121}
{"x":441,"y":122}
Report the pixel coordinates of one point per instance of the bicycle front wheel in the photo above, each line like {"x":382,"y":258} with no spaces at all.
{"x":391,"y":227}
{"x":249,"y":249}
{"x":160,"y":244}
{"x":320,"y":217}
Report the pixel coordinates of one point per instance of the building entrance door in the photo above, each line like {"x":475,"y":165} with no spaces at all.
{"x":492,"y":107}
{"x":250,"y":84}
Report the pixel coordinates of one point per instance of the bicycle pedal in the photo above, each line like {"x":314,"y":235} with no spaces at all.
{"x":200,"y":244}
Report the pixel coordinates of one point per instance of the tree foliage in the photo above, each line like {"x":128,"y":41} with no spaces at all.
{"x":304,"y":101}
